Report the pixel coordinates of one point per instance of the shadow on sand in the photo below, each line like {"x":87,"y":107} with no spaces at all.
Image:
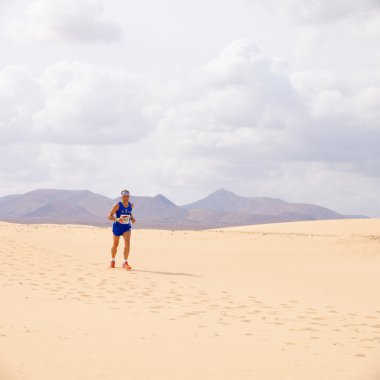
{"x":166,"y":273}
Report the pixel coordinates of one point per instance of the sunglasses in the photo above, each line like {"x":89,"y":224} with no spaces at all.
{"x":125,"y":192}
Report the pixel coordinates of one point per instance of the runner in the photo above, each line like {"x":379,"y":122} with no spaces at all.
{"x":122,"y":227}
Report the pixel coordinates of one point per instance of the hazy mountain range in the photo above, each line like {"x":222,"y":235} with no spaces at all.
{"x":222,"y":208}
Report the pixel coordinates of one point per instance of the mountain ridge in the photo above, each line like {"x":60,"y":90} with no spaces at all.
{"x":221,"y":208}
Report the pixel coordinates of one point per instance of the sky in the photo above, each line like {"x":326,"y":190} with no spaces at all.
{"x":265,"y":98}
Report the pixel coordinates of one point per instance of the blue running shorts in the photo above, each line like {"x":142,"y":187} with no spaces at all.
{"x":118,"y":229}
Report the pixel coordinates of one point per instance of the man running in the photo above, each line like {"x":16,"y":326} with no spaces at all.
{"x":122,"y":227}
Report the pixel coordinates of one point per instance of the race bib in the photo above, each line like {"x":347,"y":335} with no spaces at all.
{"x":124,"y":219}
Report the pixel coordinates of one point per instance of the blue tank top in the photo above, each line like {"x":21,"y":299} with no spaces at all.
{"x":124,"y":213}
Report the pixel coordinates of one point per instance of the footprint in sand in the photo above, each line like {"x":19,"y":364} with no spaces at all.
{"x":318,"y":318}
{"x":157,"y":307}
{"x":255,"y":312}
{"x":308,"y":329}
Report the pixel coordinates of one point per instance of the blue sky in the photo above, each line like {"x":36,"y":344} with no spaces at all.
{"x":274,"y":98}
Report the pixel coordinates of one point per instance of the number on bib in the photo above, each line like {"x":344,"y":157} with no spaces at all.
{"x":124,"y":219}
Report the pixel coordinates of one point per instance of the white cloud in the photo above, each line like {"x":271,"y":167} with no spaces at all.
{"x":20,"y":171}
{"x":367,"y":103}
{"x":20,"y":97}
{"x":63,"y":20}
{"x":73,"y":104}
{"x":243,"y":121}
{"x":241,"y":100}
{"x":242,"y":88}
{"x":242,"y":105}
{"x":323,"y":11}
{"x":329,"y":34}
{"x":91,"y":105}
{"x":370,"y":26}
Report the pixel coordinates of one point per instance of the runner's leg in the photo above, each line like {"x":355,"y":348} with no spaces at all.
{"x":115,"y":245}
{"x":127,"y":241}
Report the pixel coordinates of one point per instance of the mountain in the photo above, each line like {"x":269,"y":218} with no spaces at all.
{"x":158,"y":212}
{"x":261,"y":209}
{"x":222,"y":208}
{"x":56,"y":206}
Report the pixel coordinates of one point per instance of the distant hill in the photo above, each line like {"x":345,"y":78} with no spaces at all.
{"x":261,"y":208}
{"x":159,"y":212}
{"x":222,"y":208}
{"x":56,"y":206}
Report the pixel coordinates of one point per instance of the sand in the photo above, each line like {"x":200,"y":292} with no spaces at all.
{"x":280,"y":301}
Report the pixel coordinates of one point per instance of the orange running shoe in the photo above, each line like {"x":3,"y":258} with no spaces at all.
{"x":112,"y":265}
{"x":127,"y":266}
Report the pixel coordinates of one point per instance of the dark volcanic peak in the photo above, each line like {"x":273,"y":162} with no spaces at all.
{"x":164,"y":200}
{"x":222,"y":201}
{"x":59,"y":208}
{"x":158,"y":210}
{"x":218,"y":200}
{"x":222,"y":192}
{"x":223,"y":195}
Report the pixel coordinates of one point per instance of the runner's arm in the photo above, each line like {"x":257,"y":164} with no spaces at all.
{"x":133,"y":220}
{"x":112,"y":212}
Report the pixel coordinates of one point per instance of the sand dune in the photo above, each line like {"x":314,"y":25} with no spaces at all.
{"x":280,"y":301}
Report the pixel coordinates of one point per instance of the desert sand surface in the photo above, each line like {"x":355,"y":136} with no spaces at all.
{"x":278,"y":301}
